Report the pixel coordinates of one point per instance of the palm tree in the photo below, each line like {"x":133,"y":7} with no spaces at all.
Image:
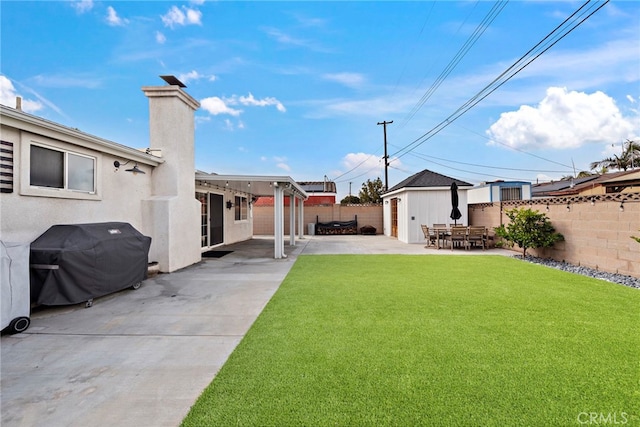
{"x":629,"y":159}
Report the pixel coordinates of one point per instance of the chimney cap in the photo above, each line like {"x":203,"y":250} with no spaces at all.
{"x":173,"y":80}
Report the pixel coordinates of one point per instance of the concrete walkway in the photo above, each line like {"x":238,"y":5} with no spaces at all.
{"x":141,"y":358}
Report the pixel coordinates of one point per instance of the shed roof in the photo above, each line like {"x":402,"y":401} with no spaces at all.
{"x":428,"y":178}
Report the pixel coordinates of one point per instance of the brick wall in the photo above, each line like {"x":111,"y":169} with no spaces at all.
{"x":597,"y":233}
{"x":367,"y":215}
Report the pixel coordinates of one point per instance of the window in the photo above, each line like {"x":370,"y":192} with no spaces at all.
{"x":241,"y":208}
{"x":62,"y":169}
{"x":510,"y":193}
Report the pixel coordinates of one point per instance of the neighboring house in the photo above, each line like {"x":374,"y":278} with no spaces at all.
{"x":53,"y":174}
{"x":423,"y":198}
{"x":320,"y":193}
{"x":610,"y":183}
{"x":499,"y":191}
{"x":545,"y":189}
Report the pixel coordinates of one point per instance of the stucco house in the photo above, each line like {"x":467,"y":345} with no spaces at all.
{"x":53,"y":174}
{"x":499,"y":191}
{"x":423,"y":198}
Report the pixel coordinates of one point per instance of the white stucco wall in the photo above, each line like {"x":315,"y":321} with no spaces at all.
{"x":234,"y":231}
{"x":423,"y":206}
{"x":159,"y":203}
{"x":27,"y":213}
{"x":479,"y":194}
{"x":172,"y":208}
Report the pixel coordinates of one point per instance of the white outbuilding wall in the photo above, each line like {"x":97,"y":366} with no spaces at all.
{"x":417,"y":206}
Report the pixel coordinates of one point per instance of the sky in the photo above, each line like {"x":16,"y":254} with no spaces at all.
{"x":477,"y":90}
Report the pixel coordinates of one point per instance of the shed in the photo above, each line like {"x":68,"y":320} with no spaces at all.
{"x":423,"y":198}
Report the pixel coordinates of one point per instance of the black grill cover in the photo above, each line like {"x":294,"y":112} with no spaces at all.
{"x":75,"y":263}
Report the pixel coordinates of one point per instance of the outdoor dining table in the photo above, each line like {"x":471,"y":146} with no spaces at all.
{"x":441,"y":234}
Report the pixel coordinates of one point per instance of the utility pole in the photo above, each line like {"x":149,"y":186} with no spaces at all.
{"x":386,"y":157}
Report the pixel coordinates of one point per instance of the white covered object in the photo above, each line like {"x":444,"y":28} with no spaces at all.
{"x":15,"y":300}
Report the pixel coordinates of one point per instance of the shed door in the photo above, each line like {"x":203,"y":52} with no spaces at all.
{"x":216,"y":205}
{"x":394,"y":217}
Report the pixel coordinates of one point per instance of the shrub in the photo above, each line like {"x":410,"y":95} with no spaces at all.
{"x":528,"y":229}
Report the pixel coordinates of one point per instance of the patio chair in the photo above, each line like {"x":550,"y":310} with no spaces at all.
{"x":477,"y":235}
{"x":458,"y":235}
{"x":430,"y":235}
{"x":441,"y":233}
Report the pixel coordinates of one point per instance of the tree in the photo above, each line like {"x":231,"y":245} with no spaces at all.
{"x":629,"y":159}
{"x":350,"y":200}
{"x":637,"y":239}
{"x":528,"y":229}
{"x":371,"y":191}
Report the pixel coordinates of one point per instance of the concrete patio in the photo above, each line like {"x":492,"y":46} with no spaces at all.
{"x":142,"y":358}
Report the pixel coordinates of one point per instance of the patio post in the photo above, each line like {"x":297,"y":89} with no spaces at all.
{"x":301,"y":219}
{"x":278,"y":218}
{"x":292,"y":220}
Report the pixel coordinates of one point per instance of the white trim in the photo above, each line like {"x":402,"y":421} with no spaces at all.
{"x":27,"y":123}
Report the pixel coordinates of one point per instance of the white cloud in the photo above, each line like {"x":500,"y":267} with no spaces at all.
{"x":283,"y":166}
{"x":251,"y":101}
{"x":82,"y":6}
{"x":369,"y":164}
{"x":215,"y":106}
{"x":194,"y":16}
{"x":191,"y":75}
{"x":8,"y":96}
{"x":194,"y":75}
{"x":348,"y":79}
{"x":561,"y":120}
{"x":288,"y":40}
{"x":113,"y":19}
{"x":160,"y":38}
{"x":631,"y":99}
{"x":175,"y":16}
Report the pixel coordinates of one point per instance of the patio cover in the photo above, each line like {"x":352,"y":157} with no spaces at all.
{"x":272,"y":186}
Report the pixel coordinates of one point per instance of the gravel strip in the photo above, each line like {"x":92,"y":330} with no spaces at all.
{"x":621,"y":279}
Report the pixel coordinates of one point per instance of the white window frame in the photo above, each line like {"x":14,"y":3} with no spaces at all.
{"x":25,"y":171}
{"x":241,"y":207}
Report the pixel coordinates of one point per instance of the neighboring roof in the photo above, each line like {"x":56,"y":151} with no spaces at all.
{"x":544,"y":189}
{"x":318,"y":186}
{"x":570,"y":186}
{"x":501,"y":183}
{"x":627,"y":176}
{"x":427,"y":178}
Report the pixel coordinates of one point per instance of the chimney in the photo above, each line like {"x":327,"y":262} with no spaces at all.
{"x":18,"y":103}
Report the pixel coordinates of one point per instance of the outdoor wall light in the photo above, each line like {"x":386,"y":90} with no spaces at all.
{"x":569,"y":206}
{"x":593,"y":201}
{"x":547,"y":207}
{"x":134,"y":170}
{"x":229,"y":204}
{"x":622,"y":206}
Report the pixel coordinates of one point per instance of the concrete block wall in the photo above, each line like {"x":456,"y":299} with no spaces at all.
{"x":597,"y":234}
{"x":367,"y":215}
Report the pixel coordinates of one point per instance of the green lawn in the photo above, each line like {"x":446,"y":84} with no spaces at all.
{"x":432,"y":340}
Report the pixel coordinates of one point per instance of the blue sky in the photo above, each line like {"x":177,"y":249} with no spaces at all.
{"x":297,"y":88}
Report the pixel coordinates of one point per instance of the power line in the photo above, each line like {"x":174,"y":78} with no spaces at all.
{"x":462,"y":52}
{"x":555,"y":36}
{"x":425,"y":156}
